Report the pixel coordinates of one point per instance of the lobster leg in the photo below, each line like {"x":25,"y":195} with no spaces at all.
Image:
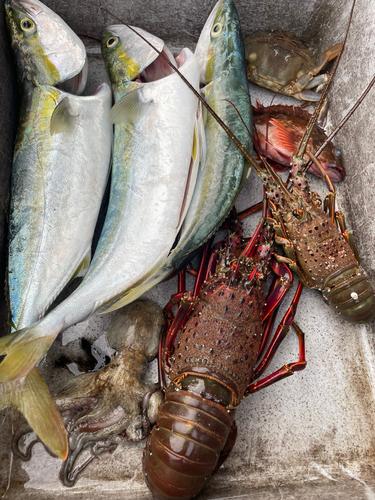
{"x":286,"y":370}
{"x":282,"y":285}
{"x":290,"y":260}
{"x":280,"y":334}
{"x":329,"y":205}
{"x":186,"y":301}
{"x":251,"y":210}
{"x":330,"y":200}
{"x":347,"y":234}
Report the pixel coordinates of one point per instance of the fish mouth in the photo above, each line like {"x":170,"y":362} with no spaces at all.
{"x":31,"y":7}
{"x":159,"y":68}
{"x":335,"y":171}
{"x":76,"y":85}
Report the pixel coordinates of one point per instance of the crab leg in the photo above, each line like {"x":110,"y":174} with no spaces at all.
{"x":309,"y":80}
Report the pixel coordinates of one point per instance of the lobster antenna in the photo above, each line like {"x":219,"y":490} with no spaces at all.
{"x":305,"y":139}
{"x":267,"y":167}
{"x":90,"y":37}
{"x":343,"y":120}
{"x":226,"y":129}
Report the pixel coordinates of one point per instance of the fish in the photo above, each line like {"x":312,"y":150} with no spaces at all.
{"x":58,"y":182}
{"x":60,"y":170}
{"x":149,"y":179}
{"x":286,"y":126}
{"x":223,"y":169}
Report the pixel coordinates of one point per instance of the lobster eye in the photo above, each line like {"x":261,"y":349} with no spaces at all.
{"x":216,"y":29}
{"x":297,"y":213}
{"x":27,"y":24}
{"x":112,"y":41}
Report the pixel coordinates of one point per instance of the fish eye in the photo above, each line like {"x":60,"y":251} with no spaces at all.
{"x":337,"y":153}
{"x":27,"y":24}
{"x":112,"y":41}
{"x":216,"y":29}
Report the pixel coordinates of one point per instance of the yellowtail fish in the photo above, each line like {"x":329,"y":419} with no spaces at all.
{"x":151,"y":162}
{"x":221,"y":55}
{"x":59,"y":173}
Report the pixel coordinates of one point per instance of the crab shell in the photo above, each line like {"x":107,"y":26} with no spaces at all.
{"x":276,"y":60}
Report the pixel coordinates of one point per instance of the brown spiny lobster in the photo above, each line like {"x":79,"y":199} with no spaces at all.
{"x":213,"y":352}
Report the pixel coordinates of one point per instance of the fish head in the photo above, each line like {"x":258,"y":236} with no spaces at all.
{"x":220,"y":44}
{"x":48,"y":52}
{"x":330,"y":158}
{"x":128,"y":57}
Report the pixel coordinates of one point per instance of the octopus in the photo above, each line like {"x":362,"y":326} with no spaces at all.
{"x":115,"y":405}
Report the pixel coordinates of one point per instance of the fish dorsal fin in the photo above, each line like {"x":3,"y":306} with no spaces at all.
{"x":284,"y":109}
{"x":197,"y":162}
{"x":283,"y":135}
{"x":62,"y":119}
{"x":129,"y":108}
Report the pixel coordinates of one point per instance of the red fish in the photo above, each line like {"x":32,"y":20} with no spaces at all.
{"x":286,"y":125}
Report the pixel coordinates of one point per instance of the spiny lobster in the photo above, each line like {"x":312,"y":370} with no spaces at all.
{"x":213,"y":352}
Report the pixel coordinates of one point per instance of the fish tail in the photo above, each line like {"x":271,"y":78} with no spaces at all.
{"x":22,"y":354}
{"x":5,"y":343}
{"x":30,"y":396}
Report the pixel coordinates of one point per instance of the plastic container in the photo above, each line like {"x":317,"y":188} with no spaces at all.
{"x":309,"y":436}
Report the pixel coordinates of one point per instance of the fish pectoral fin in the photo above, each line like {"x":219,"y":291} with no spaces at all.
{"x":198,"y":159}
{"x":282,"y":134}
{"x":62,"y":119}
{"x":30,"y":396}
{"x":22,"y":356}
{"x":129,"y":108}
{"x":6,"y":342}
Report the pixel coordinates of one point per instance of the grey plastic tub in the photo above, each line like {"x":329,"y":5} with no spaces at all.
{"x":311,"y":435}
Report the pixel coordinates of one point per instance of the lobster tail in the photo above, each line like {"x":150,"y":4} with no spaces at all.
{"x":184,"y":447}
{"x":351,"y":295}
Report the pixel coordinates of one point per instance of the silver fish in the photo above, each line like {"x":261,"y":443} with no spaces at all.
{"x":221,"y":55}
{"x":60,"y":169}
{"x":150,"y":174}
{"x":58,"y":182}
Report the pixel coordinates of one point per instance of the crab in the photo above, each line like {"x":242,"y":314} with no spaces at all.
{"x":278,"y":61}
